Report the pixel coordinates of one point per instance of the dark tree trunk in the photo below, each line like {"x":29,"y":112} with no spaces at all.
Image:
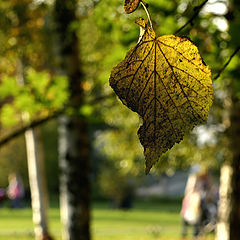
{"x":235,"y":149}
{"x":234,"y":132}
{"x":74,"y":146}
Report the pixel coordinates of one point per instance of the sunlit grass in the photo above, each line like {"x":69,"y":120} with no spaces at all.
{"x":146,"y":221}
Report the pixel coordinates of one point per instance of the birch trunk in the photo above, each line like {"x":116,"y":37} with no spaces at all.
{"x":74,"y":148}
{"x":228,"y":227}
{"x":224,"y":207}
{"x":36,"y":171}
{"x":39,"y":201}
{"x":74,"y":180}
{"x":234,"y":141}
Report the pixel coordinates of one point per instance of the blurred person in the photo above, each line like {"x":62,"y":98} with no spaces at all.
{"x":191,"y":205}
{"x":15,"y":190}
{"x":209,"y":202}
{"x":199,"y":207}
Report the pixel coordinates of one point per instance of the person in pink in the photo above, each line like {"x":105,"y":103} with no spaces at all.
{"x":15,"y":190}
{"x":191,"y":205}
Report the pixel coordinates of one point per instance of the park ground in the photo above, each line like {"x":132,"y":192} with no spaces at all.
{"x":147,"y":220}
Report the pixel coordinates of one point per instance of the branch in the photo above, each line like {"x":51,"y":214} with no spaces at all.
{"x":33,"y":124}
{"x":39,"y":122}
{"x":196,"y":12}
{"x":227,"y":63}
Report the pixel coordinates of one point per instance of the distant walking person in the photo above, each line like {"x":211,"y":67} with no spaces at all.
{"x":15,"y":190}
{"x":191,"y":205}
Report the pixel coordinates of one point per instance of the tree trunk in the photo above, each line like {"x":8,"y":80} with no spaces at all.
{"x":38,"y":193}
{"x":224,"y":207}
{"x":74,"y":149}
{"x":38,"y":188}
{"x":235,"y":149}
{"x":74,"y":181}
{"x":228,"y":227}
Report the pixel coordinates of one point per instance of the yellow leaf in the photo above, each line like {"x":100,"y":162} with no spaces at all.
{"x":167,"y":83}
{"x":131,"y":5}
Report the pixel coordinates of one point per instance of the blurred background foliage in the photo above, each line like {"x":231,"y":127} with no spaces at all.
{"x":28,"y":48}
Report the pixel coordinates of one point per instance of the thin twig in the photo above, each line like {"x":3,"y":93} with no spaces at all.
{"x":227,"y":63}
{"x":147,"y":12}
{"x":196,"y":12}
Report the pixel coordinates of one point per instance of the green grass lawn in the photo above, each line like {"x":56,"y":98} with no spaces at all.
{"x":148,"y":220}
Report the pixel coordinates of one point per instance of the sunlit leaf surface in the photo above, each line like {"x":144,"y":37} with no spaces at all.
{"x":167,"y":83}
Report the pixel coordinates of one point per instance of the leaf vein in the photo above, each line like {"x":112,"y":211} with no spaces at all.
{"x":139,"y":98}
{"x":185,"y":95}
{"x":127,"y":76}
{"x":189,"y":75}
{"x":147,"y":107}
{"x":180,"y":54}
{"x":139,"y":67}
{"x":167,"y":117}
{"x":170,"y":97}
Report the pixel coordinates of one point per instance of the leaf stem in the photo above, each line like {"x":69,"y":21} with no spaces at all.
{"x":147,"y":12}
